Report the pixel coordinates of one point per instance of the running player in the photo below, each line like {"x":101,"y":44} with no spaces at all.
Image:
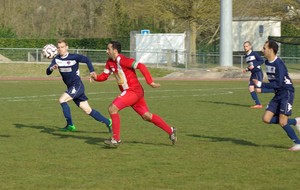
{"x":132,"y":92}
{"x":68,"y":66}
{"x":280,"y":107}
{"x":254,"y":62}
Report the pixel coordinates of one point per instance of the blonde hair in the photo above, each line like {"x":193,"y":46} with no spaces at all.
{"x":62,"y":41}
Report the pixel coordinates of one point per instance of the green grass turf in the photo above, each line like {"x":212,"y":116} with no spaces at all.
{"x":222,"y":143}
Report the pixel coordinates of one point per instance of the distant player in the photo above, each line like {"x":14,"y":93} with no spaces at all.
{"x":254,"y":62}
{"x":132,"y":92}
{"x":280,"y":107}
{"x":68,"y":66}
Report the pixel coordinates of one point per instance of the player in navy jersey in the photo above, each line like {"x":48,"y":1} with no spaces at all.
{"x":280,"y":107}
{"x":68,"y":66}
{"x":254,"y":62}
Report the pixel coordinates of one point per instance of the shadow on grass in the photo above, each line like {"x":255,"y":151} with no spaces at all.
{"x":224,"y":103}
{"x":5,"y":136}
{"x":235,"y":141}
{"x":148,"y":143}
{"x":62,"y":134}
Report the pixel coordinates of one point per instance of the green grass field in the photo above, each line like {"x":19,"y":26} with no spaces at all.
{"x":222,"y":143}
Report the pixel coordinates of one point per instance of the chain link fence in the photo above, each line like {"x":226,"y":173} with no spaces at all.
{"x":168,"y":59}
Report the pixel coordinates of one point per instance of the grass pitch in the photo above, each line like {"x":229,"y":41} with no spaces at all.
{"x":222,"y":143}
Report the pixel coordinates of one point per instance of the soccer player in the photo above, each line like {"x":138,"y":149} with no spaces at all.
{"x":68,"y":66}
{"x":280,"y":107}
{"x":132,"y":92}
{"x":254,"y":62}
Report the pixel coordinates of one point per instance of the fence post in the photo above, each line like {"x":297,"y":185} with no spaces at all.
{"x":37,"y":55}
{"x":242,"y":62}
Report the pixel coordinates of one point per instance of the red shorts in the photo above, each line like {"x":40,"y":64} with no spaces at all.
{"x":132,"y":98}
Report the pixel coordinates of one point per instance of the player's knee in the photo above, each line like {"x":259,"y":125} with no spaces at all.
{"x":147,"y":116}
{"x":282,"y":123}
{"x":266,"y":120}
{"x":112,"y":109}
{"x":87,"y":110}
{"x":61,"y":100}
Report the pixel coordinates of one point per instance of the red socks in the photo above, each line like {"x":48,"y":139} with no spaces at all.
{"x":116,"y":126}
{"x":159,"y":122}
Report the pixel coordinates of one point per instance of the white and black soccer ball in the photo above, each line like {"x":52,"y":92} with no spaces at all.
{"x":49,"y":51}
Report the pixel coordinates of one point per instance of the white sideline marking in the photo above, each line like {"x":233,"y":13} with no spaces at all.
{"x":222,"y":91}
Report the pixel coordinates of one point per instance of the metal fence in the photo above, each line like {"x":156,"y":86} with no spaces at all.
{"x":164,"y":58}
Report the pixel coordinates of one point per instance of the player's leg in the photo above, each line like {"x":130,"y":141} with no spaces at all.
{"x":63,"y":100}
{"x":271,"y":115}
{"x":84,"y":105}
{"x":283,"y":121}
{"x":142,"y":109}
{"x":125,"y":99}
{"x":252,"y":90}
{"x":286,"y":105}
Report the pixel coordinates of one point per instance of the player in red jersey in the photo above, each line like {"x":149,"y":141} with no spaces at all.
{"x":132,"y":92}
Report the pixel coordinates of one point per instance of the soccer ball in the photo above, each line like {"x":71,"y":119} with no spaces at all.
{"x":49,"y":51}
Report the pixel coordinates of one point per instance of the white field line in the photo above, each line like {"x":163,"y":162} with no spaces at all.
{"x":205,"y":92}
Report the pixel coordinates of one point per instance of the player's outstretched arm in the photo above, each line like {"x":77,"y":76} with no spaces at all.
{"x":155,"y":85}
{"x":145,"y":72}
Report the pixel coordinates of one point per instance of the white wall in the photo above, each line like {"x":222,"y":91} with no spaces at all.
{"x":153,"y":48}
{"x":248,"y":30}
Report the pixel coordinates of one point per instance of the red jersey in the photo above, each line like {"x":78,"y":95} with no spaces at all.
{"x":123,"y":69}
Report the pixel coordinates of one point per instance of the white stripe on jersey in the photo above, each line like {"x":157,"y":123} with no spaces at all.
{"x":106,"y":71}
{"x":250,"y":58}
{"x":65,"y":63}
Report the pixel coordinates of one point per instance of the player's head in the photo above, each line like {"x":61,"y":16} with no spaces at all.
{"x":247,"y":46}
{"x":62,"y":47}
{"x":113,"y":49}
{"x":270,"y":49}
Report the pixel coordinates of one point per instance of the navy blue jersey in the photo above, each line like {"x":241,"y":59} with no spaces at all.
{"x":254,"y":59}
{"x":278,"y":76}
{"x":68,"y":67}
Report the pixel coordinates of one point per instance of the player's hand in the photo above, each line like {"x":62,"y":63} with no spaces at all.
{"x":93,"y":76}
{"x":244,"y":70}
{"x":155,"y":85}
{"x":255,"y":81}
{"x":54,"y":67}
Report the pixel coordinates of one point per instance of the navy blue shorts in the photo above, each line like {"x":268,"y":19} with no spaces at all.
{"x":258,"y":76}
{"x":76,"y":91}
{"x":282,"y":103}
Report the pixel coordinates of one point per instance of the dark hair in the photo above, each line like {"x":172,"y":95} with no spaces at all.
{"x":116,"y":45}
{"x":273,"y":45}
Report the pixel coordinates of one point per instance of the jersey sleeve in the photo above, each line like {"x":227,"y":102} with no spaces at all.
{"x":105,"y":74}
{"x":48,"y":70}
{"x":86,"y":60}
{"x":259,"y":60}
{"x":144,"y":71}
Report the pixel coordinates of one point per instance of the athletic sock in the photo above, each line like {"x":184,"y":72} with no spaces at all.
{"x":274,"y":120}
{"x":255,"y":97}
{"x":291,"y":133}
{"x":292,"y":121}
{"x":67,"y":112}
{"x":116,"y":125}
{"x":99,"y":117}
{"x":159,"y":122}
{"x":267,"y":90}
